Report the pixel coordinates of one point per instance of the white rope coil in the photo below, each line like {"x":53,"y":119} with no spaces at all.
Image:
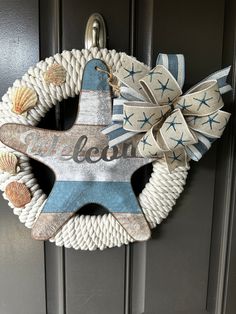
{"x":81,"y":232}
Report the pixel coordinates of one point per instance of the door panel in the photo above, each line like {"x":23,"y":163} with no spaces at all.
{"x":116,"y":17}
{"x":177,"y":258}
{"x":22,"y":281}
{"x":101,"y":274}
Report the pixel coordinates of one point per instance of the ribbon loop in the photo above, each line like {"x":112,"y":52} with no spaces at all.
{"x":149,"y":146}
{"x":203,"y":100}
{"x":131,"y":72}
{"x":175,"y":131}
{"x":141,"y":116}
{"x":160,"y":86}
{"x":212,"y":125}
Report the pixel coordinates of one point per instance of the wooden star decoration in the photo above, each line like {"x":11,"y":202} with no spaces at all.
{"x":86,"y":169}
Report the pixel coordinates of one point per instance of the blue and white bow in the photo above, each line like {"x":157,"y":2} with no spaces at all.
{"x":176,"y":126}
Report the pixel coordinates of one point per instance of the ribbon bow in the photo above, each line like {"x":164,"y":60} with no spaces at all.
{"x":176,"y":126}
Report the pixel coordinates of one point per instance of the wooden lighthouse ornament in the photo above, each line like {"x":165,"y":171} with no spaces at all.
{"x":86,"y":169}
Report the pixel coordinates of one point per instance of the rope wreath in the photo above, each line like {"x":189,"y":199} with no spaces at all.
{"x":82,"y":231}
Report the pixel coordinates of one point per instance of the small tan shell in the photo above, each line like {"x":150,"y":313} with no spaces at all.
{"x":23,"y":99}
{"x":18,"y":194}
{"x":55,"y":74}
{"x":8,"y":162}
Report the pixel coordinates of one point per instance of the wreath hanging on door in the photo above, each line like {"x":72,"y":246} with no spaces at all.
{"x":129,"y":115}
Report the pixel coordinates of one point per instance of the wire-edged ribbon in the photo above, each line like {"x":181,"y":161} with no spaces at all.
{"x":175,"y":126}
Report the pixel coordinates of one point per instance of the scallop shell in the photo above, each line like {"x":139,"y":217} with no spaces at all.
{"x":55,"y":74}
{"x":23,"y":99}
{"x":8,"y":162}
{"x":18,"y":194}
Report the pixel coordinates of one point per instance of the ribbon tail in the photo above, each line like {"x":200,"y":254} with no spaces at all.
{"x":117,"y":134}
{"x":220,"y":76}
{"x":117,"y":113}
{"x":196,"y":151}
{"x":175,"y":64}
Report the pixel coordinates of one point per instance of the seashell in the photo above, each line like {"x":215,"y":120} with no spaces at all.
{"x":8,"y":162}
{"x":18,"y":194}
{"x":55,"y":74}
{"x":23,"y":99}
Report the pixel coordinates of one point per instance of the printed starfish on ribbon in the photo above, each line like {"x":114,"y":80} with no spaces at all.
{"x":131,"y":72}
{"x":170,"y":101}
{"x":127,"y":118}
{"x":164,"y":87}
{"x":151,"y":73}
{"x":146,"y":120}
{"x":179,"y":141}
{"x":86,"y":171}
{"x":172,"y":124}
{"x":175,"y":157}
{"x":184,"y":106}
{"x":159,"y":117}
{"x":203,"y":101}
{"x":145,"y":142}
{"x":211,"y":120}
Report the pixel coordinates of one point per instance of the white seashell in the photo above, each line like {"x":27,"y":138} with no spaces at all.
{"x":55,"y":74}
{"x":8,"y":162}
{"x":18,"y":194}
{"x":23,"y":99}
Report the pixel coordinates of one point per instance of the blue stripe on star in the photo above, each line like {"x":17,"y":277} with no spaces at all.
{"x":69,"y":196}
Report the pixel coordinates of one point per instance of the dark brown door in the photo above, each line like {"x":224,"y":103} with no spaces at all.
{"x":188,"y":267}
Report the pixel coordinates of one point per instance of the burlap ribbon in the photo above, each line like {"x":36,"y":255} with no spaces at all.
{"x":175,"y":126}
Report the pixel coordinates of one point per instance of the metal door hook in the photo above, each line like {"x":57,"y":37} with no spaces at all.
{"x":95,"y":34}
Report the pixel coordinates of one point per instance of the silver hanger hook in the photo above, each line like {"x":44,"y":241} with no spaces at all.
{"x":95,"y":34}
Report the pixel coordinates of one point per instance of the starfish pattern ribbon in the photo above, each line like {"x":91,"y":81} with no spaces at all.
{"x":176,"y":126}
